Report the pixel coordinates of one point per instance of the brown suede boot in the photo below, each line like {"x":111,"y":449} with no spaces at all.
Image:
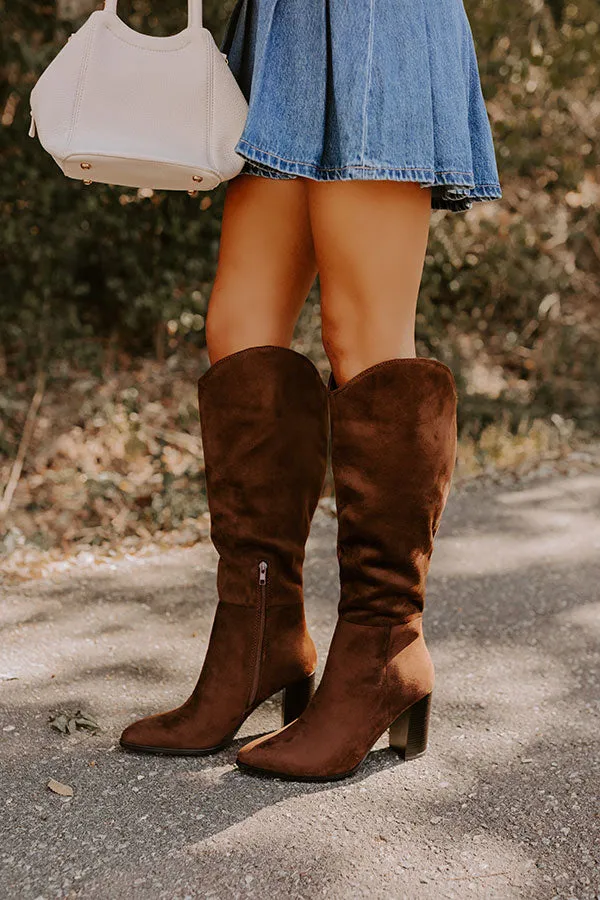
{"x":393,"y":455}
{"x":264,"y":419}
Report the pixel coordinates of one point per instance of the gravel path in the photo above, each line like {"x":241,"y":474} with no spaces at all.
{"x":504,"y":804}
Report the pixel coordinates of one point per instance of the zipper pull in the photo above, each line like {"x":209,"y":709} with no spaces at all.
{"x":32,"y":127}
{"x":262,"y":572}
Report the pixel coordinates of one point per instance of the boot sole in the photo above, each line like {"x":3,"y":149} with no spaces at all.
{"x":165,"y":751}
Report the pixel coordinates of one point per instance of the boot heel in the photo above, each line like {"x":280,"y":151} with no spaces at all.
{"x":295,"y":698}
{"x":408,"y":734}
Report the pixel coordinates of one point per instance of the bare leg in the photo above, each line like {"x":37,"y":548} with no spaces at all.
{"x":370,"y":239}
{"x":266,"y":265}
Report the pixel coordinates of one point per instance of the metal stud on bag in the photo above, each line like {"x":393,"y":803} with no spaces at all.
{"x":197,"y":179}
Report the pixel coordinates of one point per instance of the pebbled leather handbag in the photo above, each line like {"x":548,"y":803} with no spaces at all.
{"x":119,"y":107}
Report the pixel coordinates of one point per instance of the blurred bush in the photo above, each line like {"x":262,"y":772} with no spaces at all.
{"x":510,"y":292}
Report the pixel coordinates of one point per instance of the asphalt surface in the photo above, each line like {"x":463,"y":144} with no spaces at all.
{"x":503,"y":805}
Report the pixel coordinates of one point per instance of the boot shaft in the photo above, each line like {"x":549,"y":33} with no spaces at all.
{"x":393,"y":455}
{"x":264,"y":422}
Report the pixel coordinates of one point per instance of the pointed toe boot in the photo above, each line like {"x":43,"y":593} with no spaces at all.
{"x":264,"y":422}
{"x":393,"y":455}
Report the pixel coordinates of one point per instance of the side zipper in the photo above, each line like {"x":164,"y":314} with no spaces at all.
{"x":263,"y":568}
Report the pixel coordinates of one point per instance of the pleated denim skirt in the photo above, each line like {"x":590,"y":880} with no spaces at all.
{"x":364,"y":89}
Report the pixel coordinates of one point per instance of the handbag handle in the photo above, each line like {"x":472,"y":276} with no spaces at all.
{"x":194,"y":11}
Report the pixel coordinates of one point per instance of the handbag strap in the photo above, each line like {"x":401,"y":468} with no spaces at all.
{"x":194,"y":11}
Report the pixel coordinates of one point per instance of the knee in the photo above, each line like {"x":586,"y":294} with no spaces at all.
{"x":361,"y":332}
{"x":226,"y":329}
{"x":234,"y":323}
{"x":218,"y":326}
{"x":339,"y":342}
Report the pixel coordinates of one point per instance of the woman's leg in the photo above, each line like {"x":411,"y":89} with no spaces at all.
{"x":370,"y":239}
{"x":266,"y":265}
{"x":264,"y":422}
{"x":393,"y":446}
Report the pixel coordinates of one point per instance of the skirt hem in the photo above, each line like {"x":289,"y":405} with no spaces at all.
{"x":451,"y":189}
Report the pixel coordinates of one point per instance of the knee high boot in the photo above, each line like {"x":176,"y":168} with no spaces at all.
{"x":393,"y":455}
{"x":264,"y":421}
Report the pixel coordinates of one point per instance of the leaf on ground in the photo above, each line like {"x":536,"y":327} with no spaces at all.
{"x":59,"y":723}
{"x":85,"y":722}
{"x":71,"y":722}
{"x":65,"y":790}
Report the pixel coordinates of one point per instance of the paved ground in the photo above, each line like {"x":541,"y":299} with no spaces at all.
{"x":504,"y":805}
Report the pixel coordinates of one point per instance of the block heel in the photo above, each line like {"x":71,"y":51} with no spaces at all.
{"x":408,"y":734}
{"x":295,"y":698}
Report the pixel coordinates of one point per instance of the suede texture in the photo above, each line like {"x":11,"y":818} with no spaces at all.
{"x":264,"y":421}
{"x":393,"y":432}
{"x":393,"y":455}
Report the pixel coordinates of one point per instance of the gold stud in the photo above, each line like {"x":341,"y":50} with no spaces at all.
{"x":85,"y":165}
{"x":193,"y":193}
{"x":87,"y":181}
{"x":197,"y":178}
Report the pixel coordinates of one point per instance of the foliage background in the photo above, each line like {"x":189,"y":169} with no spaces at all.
{"x":104,"y":291}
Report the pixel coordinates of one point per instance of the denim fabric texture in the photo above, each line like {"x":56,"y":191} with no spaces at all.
{"x":364,"y":89}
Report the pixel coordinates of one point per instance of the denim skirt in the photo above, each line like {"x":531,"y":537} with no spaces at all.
{"x":364,"y":89}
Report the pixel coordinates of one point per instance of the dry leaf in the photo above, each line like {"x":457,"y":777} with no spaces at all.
{"x":59,"y":723}
{"x":65,"y":790}
{"x":69,"y":723}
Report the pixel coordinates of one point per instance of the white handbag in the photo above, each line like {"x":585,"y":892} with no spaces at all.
{"x":119,"y":107}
